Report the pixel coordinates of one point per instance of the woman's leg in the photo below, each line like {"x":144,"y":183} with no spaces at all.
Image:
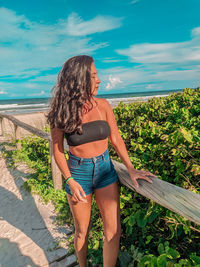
{"x":81,"y":213}
{"x":107,"y":199}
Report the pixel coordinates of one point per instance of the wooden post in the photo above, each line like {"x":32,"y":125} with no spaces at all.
{"x":1,"y":125}
{"x":17,"y":135}
{"x":56,"y":173}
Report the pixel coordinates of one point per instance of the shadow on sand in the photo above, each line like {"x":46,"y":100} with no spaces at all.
{"x":22,"y":226}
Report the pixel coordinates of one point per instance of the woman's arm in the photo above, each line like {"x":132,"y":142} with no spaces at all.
{"x":57,"y":136}
{"x":120,"y":147}
{"x":58,"y":150}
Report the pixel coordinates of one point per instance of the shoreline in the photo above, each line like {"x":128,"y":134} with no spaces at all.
{"x":113,"y":102}
{"x":37,"y":119}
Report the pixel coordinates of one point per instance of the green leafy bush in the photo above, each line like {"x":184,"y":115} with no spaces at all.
{"x":162,"y":136}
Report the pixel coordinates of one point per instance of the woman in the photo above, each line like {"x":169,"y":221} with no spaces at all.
{"x":86,"y":122}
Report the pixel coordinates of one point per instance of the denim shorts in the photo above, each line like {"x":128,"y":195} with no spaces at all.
{"x":92,"y":173}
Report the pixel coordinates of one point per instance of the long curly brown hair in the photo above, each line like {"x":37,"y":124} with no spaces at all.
{"x":70,"y":93}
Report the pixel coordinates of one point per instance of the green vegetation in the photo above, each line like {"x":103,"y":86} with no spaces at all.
{"x":162,"y":136}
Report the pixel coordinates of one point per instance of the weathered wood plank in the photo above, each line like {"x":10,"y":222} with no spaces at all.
{"x":182,"y":201}
{"x":1,"y":125}
{"x":56,"y":173}
{"x":26,"y":127}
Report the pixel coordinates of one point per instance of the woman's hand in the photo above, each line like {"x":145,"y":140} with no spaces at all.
{"x":77,"y":191}
{"x":137,"y":174}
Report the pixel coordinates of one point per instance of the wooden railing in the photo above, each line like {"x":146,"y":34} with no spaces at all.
{"x":182,"y":201}
{"x":56,"y":174}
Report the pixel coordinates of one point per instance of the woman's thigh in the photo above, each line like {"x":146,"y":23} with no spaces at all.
{"x":107,"y":199}
{"x":81,"y":213}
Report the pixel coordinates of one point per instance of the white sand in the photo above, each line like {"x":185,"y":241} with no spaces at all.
{"x":29,"y":235}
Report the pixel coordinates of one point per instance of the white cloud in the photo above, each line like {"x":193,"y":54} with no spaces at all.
{"x":149,"y":86}
{"x":113,"y":81}
{"x":134,"y":2}
{"x":196,"y":33}
{"x":180,"y":52}
{"x":46,"y":78}
{"x":35,"y":48}
{"x":155,"y":79}
{"x":30,"y":46}
{"x":161,"y":64}
{"x":30,"y":85}
{"x":111,"y":60}
{"x":22,"y":88}
{"x":75,"y":26}
{"x":153,"y":87}
{"x":2,"y":92}
{"x":42,"y":93}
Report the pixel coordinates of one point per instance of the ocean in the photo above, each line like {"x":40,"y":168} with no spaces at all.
{"x":32,"y":105}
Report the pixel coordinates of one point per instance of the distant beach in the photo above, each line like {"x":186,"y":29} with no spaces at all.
{"x":32,"y":105}
{"x":32,"y":111}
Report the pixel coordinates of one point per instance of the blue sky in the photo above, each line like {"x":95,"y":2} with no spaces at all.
{"x":137,"y":45}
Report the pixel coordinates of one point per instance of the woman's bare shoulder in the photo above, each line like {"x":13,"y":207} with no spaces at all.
{"x":102,"y":102}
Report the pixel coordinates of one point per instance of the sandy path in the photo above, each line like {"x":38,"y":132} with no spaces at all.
{"x":28,"y":234}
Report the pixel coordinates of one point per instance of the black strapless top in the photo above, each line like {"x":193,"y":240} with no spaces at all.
{"x":92,"y":131}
